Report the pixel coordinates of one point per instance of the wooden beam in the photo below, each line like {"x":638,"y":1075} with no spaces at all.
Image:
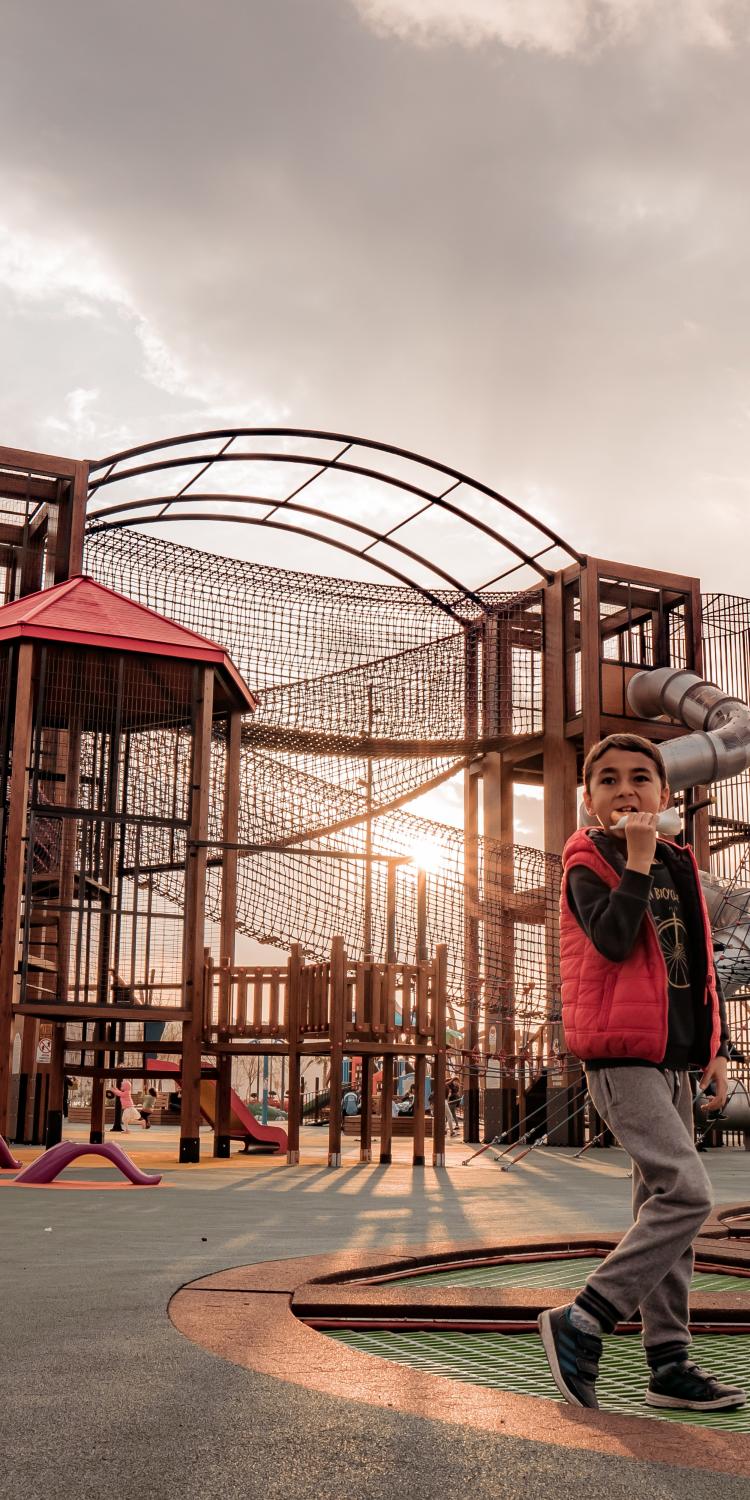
{"x":651,"y":729}
{"x":73,"y":1012}
{"x":679,"y":583}
{"x":524,"y":747}
{"x":45,"y":465}
{"x":17,"y":487}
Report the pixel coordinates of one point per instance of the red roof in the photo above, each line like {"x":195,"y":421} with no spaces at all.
{"x":82,"y":612}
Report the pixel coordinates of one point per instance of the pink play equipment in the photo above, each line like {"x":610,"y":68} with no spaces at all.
{"x":6,"y":1158}
{"x":51,"y":1163}
{"x":243,"y":1125}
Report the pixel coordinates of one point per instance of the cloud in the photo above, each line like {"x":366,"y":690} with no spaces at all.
{"x":51,"y":283}
{"x":562,"y":28}
{"x":79,"y":422}
{"x":527,"y":268}
{"x":35,"y":268}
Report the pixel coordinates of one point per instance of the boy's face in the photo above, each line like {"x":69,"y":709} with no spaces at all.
{"x":624,"y":781}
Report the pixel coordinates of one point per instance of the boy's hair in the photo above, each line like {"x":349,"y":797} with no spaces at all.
{"x":635,"y":743}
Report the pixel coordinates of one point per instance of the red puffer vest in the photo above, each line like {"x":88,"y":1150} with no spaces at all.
{"x":619,"y":1010}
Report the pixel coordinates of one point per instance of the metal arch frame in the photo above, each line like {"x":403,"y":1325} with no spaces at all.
{"x":135,"y":505}
{"x":113,"y":516}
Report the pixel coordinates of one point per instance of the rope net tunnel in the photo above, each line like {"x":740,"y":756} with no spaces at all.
{"x":364,"y":701}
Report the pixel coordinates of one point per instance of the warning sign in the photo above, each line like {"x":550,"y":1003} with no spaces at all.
{"x":44,"y":1044}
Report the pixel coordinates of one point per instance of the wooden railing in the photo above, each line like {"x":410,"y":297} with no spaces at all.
{"x":245,"y":1001}
{"x":336,"y":1008}
{"x":314,"y":1000}
{"x":394,"y":1003}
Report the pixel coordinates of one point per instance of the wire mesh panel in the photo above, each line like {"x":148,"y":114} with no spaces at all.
{"x":567,"y":1272}
{"x":98,"y":927}
{"x":517,"y":1362}
{"x":726,"y":647}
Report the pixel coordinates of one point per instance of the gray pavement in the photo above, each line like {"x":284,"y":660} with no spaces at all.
{"x":101,"y":1394}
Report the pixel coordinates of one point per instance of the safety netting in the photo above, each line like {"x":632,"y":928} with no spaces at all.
{"x":368,"y":698}
{"x":369,"y":695}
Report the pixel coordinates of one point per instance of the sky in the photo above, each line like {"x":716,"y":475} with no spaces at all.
{"x":510,"y":234}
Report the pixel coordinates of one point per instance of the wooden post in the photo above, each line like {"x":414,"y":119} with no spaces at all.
{"x":14,"y":867}
{"x":590,"y":655}
{"x":390,"y":912}
{"x":66,"y":546}
{"x":195,"y":895}
{"x":560,"y":771}
{"x":27,"y":1081}
{"x":499,"y":881}
{"x":698,"y":822}
{"x":388,"y":1018}
{"x":222,"y":1138}
{"x":56,"y":1087}
{"x":470,"y":1078}
{"x":294,"y":1113}
{"x":98,"y":1103}
{"x":386,"y":1111}
{"x":439,"y":1021}
{"x":420,"y":1078}
{"x":337,"y":1002}
{"x":70,"y":756}
{"x":365,"y":1132}
{"x":560,"y":784}
{"x":499,"y":938}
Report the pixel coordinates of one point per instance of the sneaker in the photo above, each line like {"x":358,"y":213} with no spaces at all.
{"x":573,"y":1356}
{"x":687,"y":1387}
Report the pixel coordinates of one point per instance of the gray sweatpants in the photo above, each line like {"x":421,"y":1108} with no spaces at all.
{"x":651,"y":1114}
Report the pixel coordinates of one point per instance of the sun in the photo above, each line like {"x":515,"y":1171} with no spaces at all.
{"x":426,"y":856}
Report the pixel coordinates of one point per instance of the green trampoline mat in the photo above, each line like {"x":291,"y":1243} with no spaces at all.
{"x":571,"y":1272}
{"x":517,"y":1363}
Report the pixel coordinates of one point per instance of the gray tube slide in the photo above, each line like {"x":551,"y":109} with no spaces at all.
{"x":720,"y":746}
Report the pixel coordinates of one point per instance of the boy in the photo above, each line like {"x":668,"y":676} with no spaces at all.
{"x":641,"y":1003}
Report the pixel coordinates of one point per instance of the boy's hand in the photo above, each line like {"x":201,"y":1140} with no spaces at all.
{"x":715,"y":1073}
{"x":640,"y":832}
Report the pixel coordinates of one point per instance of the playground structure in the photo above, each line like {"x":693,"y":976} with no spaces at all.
{"x":157,"y":810}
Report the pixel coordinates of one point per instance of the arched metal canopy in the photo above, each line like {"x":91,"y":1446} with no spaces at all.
{"x":427,"y":520}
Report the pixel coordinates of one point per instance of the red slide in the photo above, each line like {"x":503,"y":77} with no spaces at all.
{"x":243,"y":1125}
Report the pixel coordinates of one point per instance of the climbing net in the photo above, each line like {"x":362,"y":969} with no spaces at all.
{"x":365,"y":702}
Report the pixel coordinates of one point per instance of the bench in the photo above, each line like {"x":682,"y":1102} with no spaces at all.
{"x":401,"y":1125}
{"x":80,"y":1114}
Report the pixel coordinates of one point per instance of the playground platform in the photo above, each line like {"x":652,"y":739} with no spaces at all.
{"x":103,"y":1391}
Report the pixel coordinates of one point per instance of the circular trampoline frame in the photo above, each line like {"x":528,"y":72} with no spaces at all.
{"x":269,"y":1318}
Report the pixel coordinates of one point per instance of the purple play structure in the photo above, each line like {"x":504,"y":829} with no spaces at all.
{"x":6,"y":1157}
{"x":49,"y":1165}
